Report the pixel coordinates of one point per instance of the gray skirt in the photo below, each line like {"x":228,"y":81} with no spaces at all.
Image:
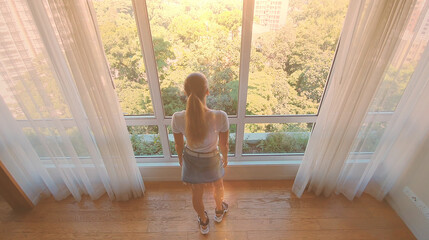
{"x":201,"y":169}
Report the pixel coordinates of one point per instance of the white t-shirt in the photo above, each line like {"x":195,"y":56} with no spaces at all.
{"x":217,"y":122}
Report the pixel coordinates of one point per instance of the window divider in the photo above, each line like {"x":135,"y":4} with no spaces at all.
{"x":145,"y":36}
{"x":280,"y":119}
{"x":246,"y":42}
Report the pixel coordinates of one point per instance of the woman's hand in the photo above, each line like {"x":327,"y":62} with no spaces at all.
{"x":224,"y":161}
{"x":180,"y":161}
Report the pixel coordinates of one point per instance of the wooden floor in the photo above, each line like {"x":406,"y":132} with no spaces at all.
{"x":258,"y":210}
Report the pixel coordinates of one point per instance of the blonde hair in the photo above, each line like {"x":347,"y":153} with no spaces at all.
{"x":196,"y":125}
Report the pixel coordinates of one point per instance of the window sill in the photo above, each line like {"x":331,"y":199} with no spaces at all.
{"x":230,"y":164}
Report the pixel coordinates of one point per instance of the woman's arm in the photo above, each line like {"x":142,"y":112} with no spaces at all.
{"x":224,"y":146}
{"x":179,"y":143}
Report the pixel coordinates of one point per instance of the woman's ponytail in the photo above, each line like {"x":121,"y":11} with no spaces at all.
{"x":196,"y":126}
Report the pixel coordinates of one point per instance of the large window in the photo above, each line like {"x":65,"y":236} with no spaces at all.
{"x":394,"y":82}
{"x":293,"y":46}
{"x":267,"y":62}
{"x":197,"y":36}
{"x":121,"y":44}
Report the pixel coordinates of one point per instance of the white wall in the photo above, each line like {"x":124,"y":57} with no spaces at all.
{"x":416,"y":177}
{"x":234,"y":171}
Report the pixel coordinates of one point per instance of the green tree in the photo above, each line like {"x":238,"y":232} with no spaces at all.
{"x":304,"y":49}
{"x":121,"y":44}
{"x":288,"y":69}
{"x":187,"y":30}
{"x":231,"y":20}
{"x":120,"y":39}
{"x":392,"y":87}
{"x":134,"y":97}
{"x":163,"y":52}
{"x":260,"y":94}
{"x":284,"y":143}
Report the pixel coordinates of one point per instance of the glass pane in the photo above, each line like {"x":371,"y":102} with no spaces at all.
{"x":77,"y":142}
{"x":197,"y":36}
{"x":55,"y":143}
{"x":232,"y":134}
{"x":293,"y":45}
{"x":36,"y":94}
{"x":27,"y":83}
{"x":276,"y":138}
{"x":145,"y":140}
{"x":121,"y":44}
{"x":368,"y":137}
{"x":232,"y":137}
{"x":173,"y":151}
{"x":400,"y":70}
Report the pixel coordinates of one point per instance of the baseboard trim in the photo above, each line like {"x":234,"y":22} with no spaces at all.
{"x":403,"y":216}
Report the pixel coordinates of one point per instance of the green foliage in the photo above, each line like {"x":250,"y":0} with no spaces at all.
{"x":120,"y":39}
{"x":369,"y":136}
{"x":170,"y":97}
{"x":288,"y":67}
{"x":142,"y":147}
{"x":145,"y":140}
{"x":312,"y":79}
{"x":260,"y":94}
{"x":38,"y":92}
{"x":231,"y":20}
{"x":186,"y":29}
{"x":276,"y":137}
{"x":231,"y":146}
{"x":52,"y":136}
{"x":134,"y":97}
{"x":163,"y":52}
{"x":284,"y":143}
{"x":392,"y":87}
{"x":172,"y":148}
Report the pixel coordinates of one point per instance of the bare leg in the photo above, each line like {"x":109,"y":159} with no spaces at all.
{"x":218,"y":193}
{"x":197,"y":201}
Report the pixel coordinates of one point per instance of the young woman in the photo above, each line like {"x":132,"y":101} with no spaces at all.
{"x":200,"y":160}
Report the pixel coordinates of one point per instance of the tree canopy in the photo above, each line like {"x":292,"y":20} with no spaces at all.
{"x":288,"y":68}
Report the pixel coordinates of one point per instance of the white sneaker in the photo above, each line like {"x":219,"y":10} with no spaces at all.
{"x":222,"y":212}
{"x":206,"y":230}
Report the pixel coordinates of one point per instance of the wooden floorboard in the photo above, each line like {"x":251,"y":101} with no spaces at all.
{"x":258,"y":210}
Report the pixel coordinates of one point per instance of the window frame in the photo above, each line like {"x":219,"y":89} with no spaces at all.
{"x":162,"y":121}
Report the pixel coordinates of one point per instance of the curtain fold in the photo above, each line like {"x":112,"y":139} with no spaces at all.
{"x":22,"y":161}
{"x":59,"y":94}
{"x":371,"y":34}
{"x":404,"y":134}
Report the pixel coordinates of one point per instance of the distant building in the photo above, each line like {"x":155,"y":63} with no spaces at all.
{"x":421,"y":40}
{"x":412,"y":49}
{"x":270,"y":15}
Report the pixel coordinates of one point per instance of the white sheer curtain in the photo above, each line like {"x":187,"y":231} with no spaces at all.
{"x":64,"y":129}
{"x":22,"y":161}
{"x":371,"y":34}
{"x":396,"y":140}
